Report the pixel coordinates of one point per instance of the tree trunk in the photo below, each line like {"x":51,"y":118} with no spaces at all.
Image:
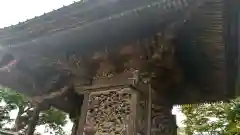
{"x":33,"y":121}
{"x":17,"y":123}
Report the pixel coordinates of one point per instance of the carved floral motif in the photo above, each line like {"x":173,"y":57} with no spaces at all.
{"x":110,"y":112}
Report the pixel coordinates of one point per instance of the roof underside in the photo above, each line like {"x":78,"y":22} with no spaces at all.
{"x":80,"y":23}
{"x":83,"y":26}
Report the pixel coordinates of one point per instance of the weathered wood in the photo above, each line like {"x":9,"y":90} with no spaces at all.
{"x":123,"y":79}
{"x":82,"y":120}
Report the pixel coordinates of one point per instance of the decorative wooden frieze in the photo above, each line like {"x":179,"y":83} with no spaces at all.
{"x":110,"y":111}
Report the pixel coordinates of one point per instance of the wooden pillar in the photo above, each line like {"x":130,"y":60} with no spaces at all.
{"x":149,"y":106}
{"x":163,"y":122}
{"x":33,"y":121}
{"x":75,"y":126}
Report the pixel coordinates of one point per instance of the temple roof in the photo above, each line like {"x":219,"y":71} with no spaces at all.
{"x":86,"y":14}
{"x":79,"y":23}
{"x":84,"y":27}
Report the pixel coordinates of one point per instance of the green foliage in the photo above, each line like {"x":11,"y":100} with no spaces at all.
{"x":51,"y":119}
{"x":12,"y":99}
{"x":53,"y":116}
{"x":213,"y":119}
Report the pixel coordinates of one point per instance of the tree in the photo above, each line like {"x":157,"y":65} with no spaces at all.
{"x":213,"y":119}
{"x":180,"y":131}
{"x":52,"y":119}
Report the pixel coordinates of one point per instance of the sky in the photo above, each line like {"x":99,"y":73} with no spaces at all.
{"x":15,"y":11}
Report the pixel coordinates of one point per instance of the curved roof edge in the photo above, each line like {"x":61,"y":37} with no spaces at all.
{"x":97,"y":13}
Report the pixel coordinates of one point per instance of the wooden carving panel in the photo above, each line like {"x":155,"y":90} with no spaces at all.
{"x":112,"y":112}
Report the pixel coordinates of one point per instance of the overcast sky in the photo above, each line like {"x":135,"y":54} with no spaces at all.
{"x":14,"y":11}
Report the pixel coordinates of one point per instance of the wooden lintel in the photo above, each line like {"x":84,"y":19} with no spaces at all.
{"x":87,"y":89}
{"x":120,"y":80}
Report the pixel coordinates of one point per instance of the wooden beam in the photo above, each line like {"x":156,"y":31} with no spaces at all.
{"x":41,"y":98}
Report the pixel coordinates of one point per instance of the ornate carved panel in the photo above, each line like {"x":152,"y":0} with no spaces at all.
{"x":111,"y":112}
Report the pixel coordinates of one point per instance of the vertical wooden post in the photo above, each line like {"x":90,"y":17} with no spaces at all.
{"x":82,"y":119}
{"x":149,"y":118}
{"x":33,"y":121}
{"x":75,"y":126}
{"x":164,"y":122}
